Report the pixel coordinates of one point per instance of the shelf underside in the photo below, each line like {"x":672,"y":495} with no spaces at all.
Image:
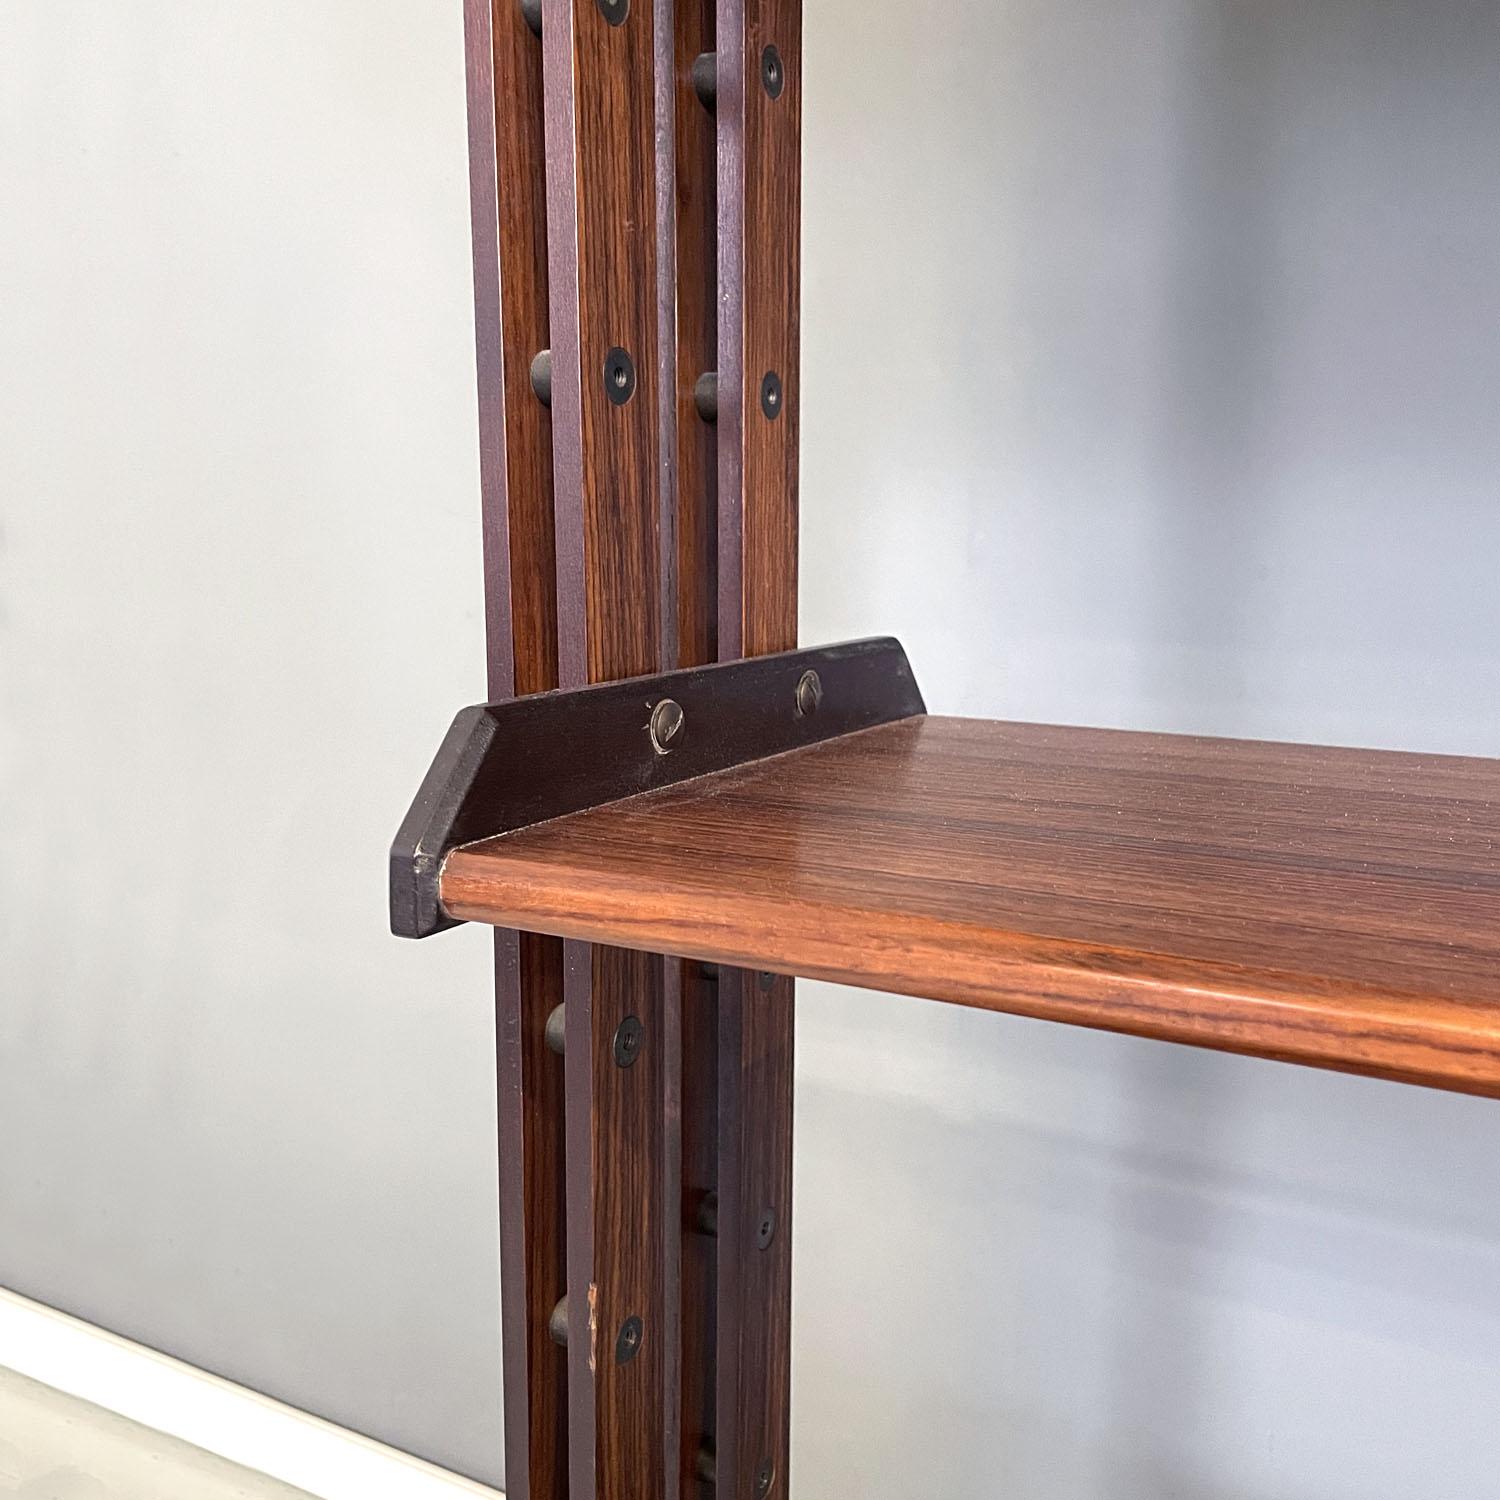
{"x":1334,"y":907}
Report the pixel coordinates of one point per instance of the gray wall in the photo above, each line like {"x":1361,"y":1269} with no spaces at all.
{"x":1148,"y":380}
{"x":239,"y":602}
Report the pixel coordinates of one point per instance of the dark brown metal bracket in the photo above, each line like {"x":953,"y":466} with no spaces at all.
{"x":508,"y":765}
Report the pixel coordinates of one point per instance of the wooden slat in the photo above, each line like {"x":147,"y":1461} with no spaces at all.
{"x":1333,"y":907}
{"x":616,"y":618}
{"x":602,"y":252}
{"x":759,"y":324}
{"x":693,"y":328}
{"x":508,"y":205}
{"x":759,"y":110}
{"x":696,"y":322}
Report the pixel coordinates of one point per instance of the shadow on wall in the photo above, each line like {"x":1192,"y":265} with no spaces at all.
{"x":1058,"y":1264}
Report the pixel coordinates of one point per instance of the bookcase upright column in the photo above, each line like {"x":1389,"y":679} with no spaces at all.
{"x":635,"y":243}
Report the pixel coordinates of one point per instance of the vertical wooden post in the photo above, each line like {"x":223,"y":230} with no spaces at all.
{"x":759,"y":189}
{"x":646,"y":245}
{"x":508,"y":206}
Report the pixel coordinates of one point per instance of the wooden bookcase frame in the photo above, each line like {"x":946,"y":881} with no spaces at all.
{"x":635,"y":182}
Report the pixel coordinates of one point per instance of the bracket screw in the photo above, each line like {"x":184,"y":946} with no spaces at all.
{"x":809,"y":694}
{"x":765,"y":1476}
{"x":628,"y":1344}
{"x":666,"y":724}
{"x":630,"y":1037}
{"x":767,"y":982}
{"x":614,"y":11}
{"x":770,"y":395}
{"x":772,"y":74}
{"x":765,"y":1230}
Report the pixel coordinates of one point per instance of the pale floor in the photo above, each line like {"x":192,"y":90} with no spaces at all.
{"x":56,"y":1447}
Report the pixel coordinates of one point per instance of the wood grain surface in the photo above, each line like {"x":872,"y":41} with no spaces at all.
{"x":759,"y":118}
{"x":760,"y":204}
{"x":1326,"y":906}
{"x":616,"y":618}
{"x":602,"y":250}
{"x":695,"y":308}
{"x":503,"y":70}
{"x":691,"y":293}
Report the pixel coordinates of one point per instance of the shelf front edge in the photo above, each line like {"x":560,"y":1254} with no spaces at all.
{"x":1438,"y":1043}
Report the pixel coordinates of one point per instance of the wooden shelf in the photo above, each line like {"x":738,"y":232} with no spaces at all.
{"x":1333,"y":907}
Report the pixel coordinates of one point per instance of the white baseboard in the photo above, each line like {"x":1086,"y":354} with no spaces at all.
{"x":212,"y":1413}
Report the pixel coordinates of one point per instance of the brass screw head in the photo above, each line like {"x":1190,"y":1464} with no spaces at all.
{"x":666,"y":724}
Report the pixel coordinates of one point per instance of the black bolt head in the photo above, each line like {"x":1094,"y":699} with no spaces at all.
{"x":770,"y":395}
{"x":628,"y":1343}
{"x":765,"y":1230}
{"x":630,"y":1037}
{"x":772,"y":73}
{"x":619,"y":369}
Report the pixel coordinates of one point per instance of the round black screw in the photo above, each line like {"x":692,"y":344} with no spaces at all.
{"x":765,"y":1230}
{"x":705,"y":1465}
{"x":556,"y":1034}
{"x":667,"y":719}
{"x":770,"y":395}
{"x":809,"y":694}
{"x":531,"y":10}
{"x":772,"y":74}
{"x":628,"y":1344}
{"x":614,"y":11}
{"x":706,"y":1220}
{"x":765,"y":1477}
{"x":619,"y":374}
{"x":705,"y":76}
{"x":706,"y":396}
{"x":767,"y":982}
{"x":630,"y":1037}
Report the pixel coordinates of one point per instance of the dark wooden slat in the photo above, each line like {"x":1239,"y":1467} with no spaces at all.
{"x":504,"y":72}
{"x":694,"y":330}
{"x":754,"y":1244}
{"x":759,"y":205}
{"x":696,"y":325}
{"x":1333,"y":907}
{"x":759,"y":110}
{"x":616,"y":619}
{"x":602,"y":253}
{"x":508,"y":215}
{"x":533,"y":1231}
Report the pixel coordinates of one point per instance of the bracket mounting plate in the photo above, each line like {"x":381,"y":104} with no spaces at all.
{"x":509,"y":765}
